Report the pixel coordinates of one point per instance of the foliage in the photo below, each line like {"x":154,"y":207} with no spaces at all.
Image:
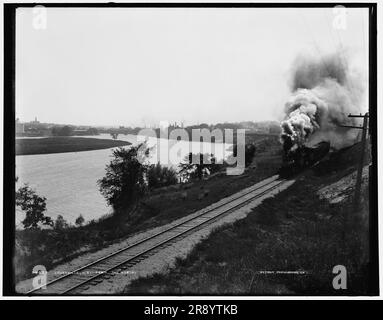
{"x":80,"y":220}
{"x":159,"y":176}
{"x":60,"y":223}
{"x":92,"y":131}
{"x":250,"y":150}
{"x":34,"y":207}
{"x":62,"y":131}
{"x":195,"y":166}
{"x":124,"y":182}
{"x":50,"y":247}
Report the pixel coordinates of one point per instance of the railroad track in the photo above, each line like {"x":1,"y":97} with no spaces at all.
{"x":97,"y":271}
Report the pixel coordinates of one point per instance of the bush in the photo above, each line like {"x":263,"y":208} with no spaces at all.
{"x":159,"y":176}
{"x":196,"y":166}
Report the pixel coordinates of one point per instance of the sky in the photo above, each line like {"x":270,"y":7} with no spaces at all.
{"x":139,"y":66}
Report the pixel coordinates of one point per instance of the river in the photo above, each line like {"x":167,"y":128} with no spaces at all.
{"x":69,"y":180}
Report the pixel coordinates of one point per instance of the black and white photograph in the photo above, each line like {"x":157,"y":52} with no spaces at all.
{"x":190,"y":150}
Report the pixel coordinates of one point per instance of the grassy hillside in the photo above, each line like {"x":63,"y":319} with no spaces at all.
{"x":288,"y":245}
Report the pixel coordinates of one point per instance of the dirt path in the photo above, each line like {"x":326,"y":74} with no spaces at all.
{"x":160,"y":262}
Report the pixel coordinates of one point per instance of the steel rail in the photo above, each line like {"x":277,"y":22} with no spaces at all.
{"x":93,"y":263}
{"x":146,"y":251}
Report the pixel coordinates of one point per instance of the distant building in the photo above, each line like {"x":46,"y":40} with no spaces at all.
{"x":35,"y":128}
{"x":19,"y":127}
{"x":35,"y":122}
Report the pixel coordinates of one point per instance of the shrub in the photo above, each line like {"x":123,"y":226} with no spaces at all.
{"x":160,"y":176}
{"x":195,"y":166}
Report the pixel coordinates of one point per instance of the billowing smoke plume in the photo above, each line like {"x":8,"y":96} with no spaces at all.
{"x":324,"y":92}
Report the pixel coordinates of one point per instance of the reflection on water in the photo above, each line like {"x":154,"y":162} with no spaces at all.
{"x":69,"y":180}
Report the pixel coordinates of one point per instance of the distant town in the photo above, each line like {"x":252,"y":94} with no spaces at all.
{"x":36,"y":128}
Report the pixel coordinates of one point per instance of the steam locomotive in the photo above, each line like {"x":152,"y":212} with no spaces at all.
{"x":295,"y":160}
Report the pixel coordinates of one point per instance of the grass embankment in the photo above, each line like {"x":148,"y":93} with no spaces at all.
{"x":52,"y":247}
{"x":63,"y":144}
{"x":294,"y":231}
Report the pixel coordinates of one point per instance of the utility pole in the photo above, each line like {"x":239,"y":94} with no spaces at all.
{"x":360,"y":166}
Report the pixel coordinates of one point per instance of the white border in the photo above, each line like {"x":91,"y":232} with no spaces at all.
{"x":379,"y":165}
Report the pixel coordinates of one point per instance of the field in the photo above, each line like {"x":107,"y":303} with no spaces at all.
{"x":63,"y":144}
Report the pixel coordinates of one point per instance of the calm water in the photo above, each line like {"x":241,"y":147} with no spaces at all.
{"x":69,"y":180}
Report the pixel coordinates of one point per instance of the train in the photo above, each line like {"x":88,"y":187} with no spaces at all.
{"x":296,"y":160}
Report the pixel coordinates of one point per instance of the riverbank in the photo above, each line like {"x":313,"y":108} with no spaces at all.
{"x":48,"y":145}
{"x":53,"y":247}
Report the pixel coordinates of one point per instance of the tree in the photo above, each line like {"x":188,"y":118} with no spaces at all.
{"x":250,"y":150}
{"x":159,"y":176}
{"x":66,"y":131}
{"x":124,"y":181}
{"x":249,"y":153}
{"x":198,"y":165}
{"x":55,"y":131}
{"x":92,"y":131}
{"x":34,"y":207}
{"x":80,"y":220}
{"x":62,"y":131}
{"x":61,"y":223}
